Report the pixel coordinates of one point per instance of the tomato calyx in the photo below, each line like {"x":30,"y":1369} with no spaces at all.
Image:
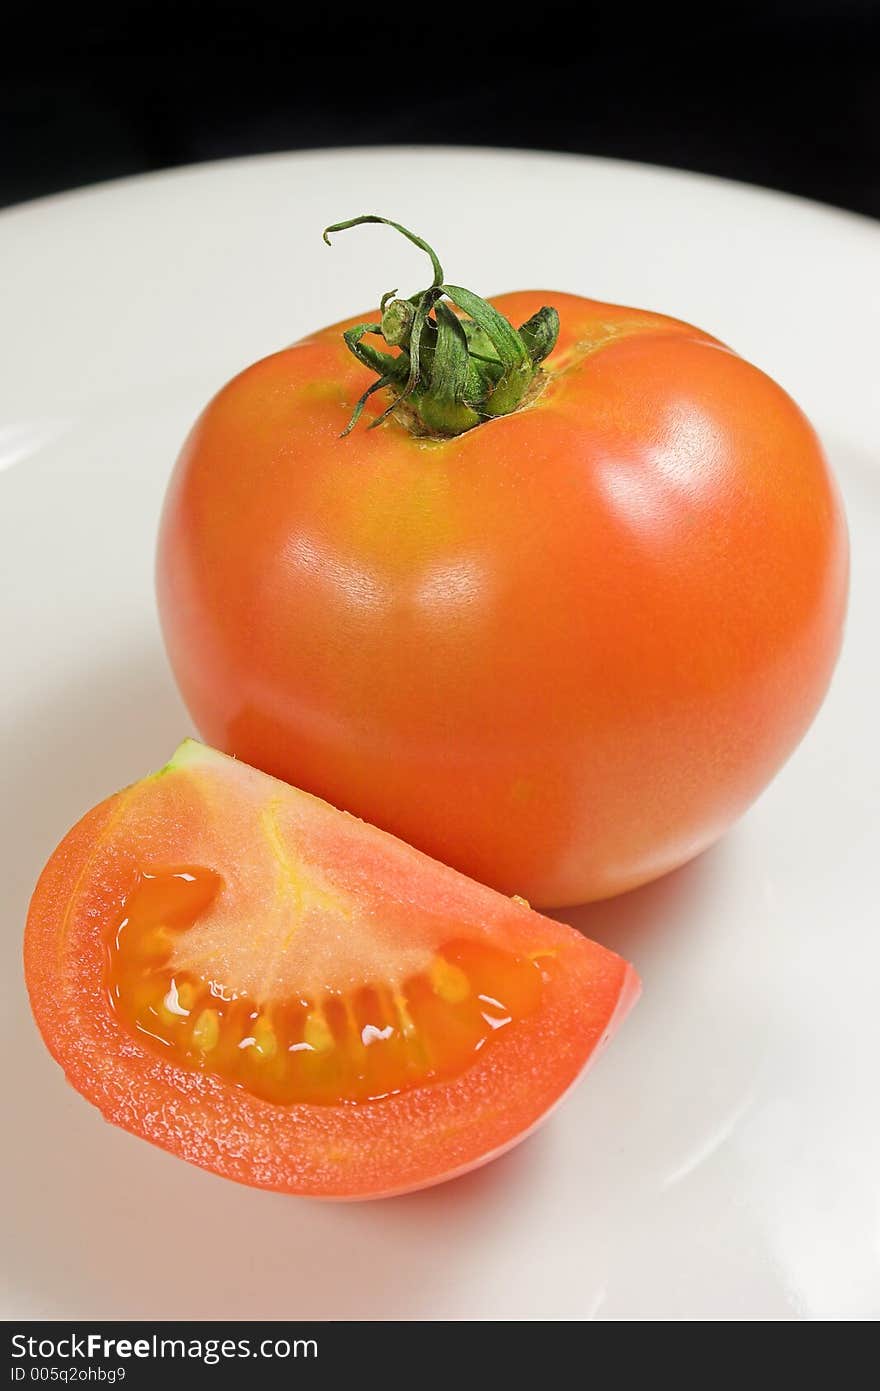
{"x":452,"y":372}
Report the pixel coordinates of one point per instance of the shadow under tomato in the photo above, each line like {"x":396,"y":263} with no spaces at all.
{"x":659,"y":907}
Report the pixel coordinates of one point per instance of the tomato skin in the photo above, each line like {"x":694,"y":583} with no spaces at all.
{"x":371,"y":1149}
{"x":563,"y":651}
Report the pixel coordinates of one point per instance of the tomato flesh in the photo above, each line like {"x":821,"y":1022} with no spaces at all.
{"x":280,"y":993}
{"x":359,"y":1045}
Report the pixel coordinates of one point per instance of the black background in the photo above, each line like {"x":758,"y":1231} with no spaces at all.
{"x":785,"y":94}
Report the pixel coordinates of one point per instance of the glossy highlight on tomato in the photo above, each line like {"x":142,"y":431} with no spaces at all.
{"x":278,"y":992}
{"x":562,"y":651}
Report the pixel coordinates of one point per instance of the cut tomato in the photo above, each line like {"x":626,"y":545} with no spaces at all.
{"x":291,"y":998}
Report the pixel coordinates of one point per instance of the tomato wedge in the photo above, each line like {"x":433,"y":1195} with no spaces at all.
{"x":280,"y":993}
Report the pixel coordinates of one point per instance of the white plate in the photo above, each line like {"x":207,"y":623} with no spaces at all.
{"x":723,"y":1161}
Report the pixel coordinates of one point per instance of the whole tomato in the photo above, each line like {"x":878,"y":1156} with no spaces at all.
{"x":556,"y":621}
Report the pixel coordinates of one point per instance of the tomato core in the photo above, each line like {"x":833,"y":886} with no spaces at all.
{"x":321,"y":1048}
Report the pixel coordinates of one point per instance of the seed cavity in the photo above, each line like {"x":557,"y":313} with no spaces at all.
{"x":404,"y":1018}
{"x":449,"y":981}
{"x":265,"y":1042}
{"x":364,"y":1045}
{"x":317,"y":1035}
{"x":206,"y":1031}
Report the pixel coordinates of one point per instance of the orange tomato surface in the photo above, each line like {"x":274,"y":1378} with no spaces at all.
{"x":561,"y":652}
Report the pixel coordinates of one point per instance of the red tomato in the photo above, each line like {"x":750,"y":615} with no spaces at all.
{"x":277,"y":992}
{"x":562,"y":651}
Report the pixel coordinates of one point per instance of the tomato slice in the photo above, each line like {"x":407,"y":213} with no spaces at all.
{"x":291,"y":998}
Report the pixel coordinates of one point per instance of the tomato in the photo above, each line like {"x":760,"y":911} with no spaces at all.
{"x":275,"y":991}
{"x":562,"y":650}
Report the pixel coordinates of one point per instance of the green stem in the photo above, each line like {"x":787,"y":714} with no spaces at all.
{"x":455,"y":373}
